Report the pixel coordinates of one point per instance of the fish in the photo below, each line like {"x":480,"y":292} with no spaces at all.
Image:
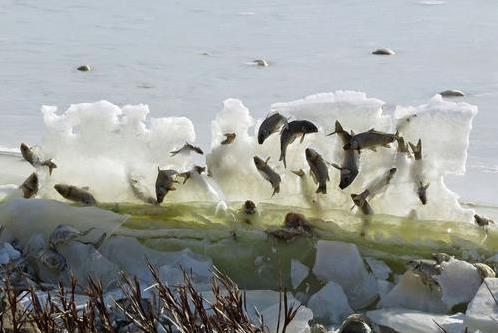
{"x":356,"y":323}
{"x":140,"y":190}
{"x":402,"y":146}
{"x":64,"y":233}
{"x":30,"y":186}
{"x":76,"y":194}
{"x":362,"y":204}
{"x":267,"y":172}
{"x":482,"y":221}
{"x":370,"y":139}
{"x":31,"y":156}
{"x":299,"y":173}
{"x":196,"y":169}
{"x":164,"y":183}
{"x":318,"y":169}
{"x":293,"y":130}
{"x":187,"y":148}
{"x":273,"y":123}
{"x":344,"y":135}
{"x":373,"y":189}
{"x":351,"y":161}
{"x":53,"y":260}
{"x":421,"y":188}
{"x":229,"y":138}
{"x":249,"y":207}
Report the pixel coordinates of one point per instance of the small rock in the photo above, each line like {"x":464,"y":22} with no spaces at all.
{"x":84,"y":68}
{"x":261,"y":62}
{"x":452,"y":93}
{"x":383,"y":51}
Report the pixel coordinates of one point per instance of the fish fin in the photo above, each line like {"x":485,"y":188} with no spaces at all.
{"x":267,"y":160}
{"x":158,"y":169}
{"x":335,"y":165}
{"x":322,"y":189}
{"x":372,"y":148}
{"x":302,"y":138}
{"x":299,"y":172}
{"x":276,"y":190}
{"x":425,"y":187}
{"x":331,"y":133}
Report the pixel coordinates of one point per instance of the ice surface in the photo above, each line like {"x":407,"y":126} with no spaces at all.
{"x":411,"y":293}
{"x":482,"y":312}
{"x":379,"y":268}
{"x":330,"y":304}
{"x":342,"y":263}
{"x":459,"y":282}
{"x":410,"y":321}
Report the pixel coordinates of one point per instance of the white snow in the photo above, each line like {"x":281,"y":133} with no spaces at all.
{"x":342,"y":263}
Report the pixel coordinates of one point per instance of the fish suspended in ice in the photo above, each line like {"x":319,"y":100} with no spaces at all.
{"x":295,"y":129}
{"x":30,"y":186}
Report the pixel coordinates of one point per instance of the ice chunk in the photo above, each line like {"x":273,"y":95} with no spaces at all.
{"x":411,"y":321}
{"x":300,"y":324}
{"x":384,"y":287}
{"x":482,"y":312}
{"x":4,"y":256}
{"x":411,"y":293}
{"x":459,"y":282}
{"x":341,"y":262}
{"x":330,"y":304}
{"x":13,"y":253}
{"x":197,"y":266}
{"x":26,"y":217}
{"x":379,"y":268}
{"x":298,"y":272}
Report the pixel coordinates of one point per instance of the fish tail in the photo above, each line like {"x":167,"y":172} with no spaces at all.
{"x":322,"y":189}
{"x":276,"y":189}
{"x":282,"y":158}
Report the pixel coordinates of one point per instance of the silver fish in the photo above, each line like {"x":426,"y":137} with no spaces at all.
{"x":272,"y":124}
{"x":421,"y":188}
{"x":351,"y":162}
{"x":196,"y":169}
{"x":164,"y":183}
{"x":229,"y":138}
{"x":140,"y":190}
{"x":267,"y":172}
{"x":319,"y":170}
{"x":374,"y":188}
{"x":426,"y":270}
{"x":187,"y":148}
{"x":482,"y":221}
{"x":356,"y":323}
{"x":30,"y":155}
{"x":295,"y":129}
{"x":370,"y":139}
{"x":76,"y":194}
{"x":30,"y":186}
{"x":53,"y":260}
{"x":64,"y":233}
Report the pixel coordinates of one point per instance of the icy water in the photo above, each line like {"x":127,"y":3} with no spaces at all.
{"x":185,"y":57}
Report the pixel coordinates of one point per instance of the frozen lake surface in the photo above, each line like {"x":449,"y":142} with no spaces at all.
{"x":183,"y":58}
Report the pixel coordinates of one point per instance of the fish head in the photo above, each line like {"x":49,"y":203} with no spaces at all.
{"x":347,"y":178}
{"x":311,"y":154}
{"x":24,"y":148}
{"x":307,"y":127}
{"x":258,"y":162}
{"x":62,"y":189}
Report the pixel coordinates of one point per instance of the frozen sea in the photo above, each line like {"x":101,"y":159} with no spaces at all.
{"x":186,"y":57}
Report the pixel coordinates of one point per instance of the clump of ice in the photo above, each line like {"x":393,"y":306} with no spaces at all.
{"x":330,"y":304}
{"x":459,"y":282}
{"x":99,"y":144}
{"x":410,"y":321}
{"x":482,"y":312}
{"x":342,"y":263}
{"x":299,"y":272}
{"x":411,"y":293}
